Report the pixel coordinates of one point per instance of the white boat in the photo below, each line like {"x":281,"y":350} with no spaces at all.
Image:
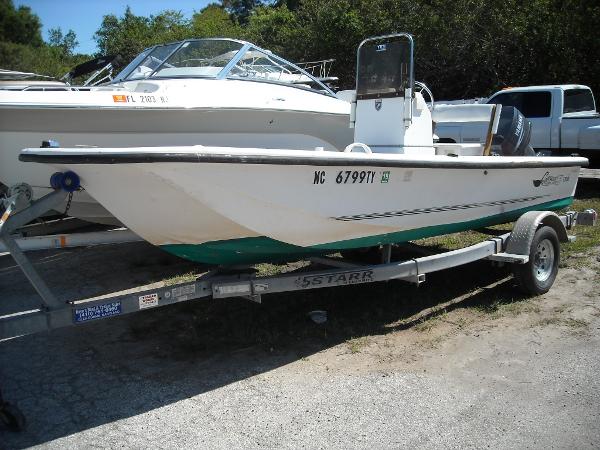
{"x":229,"y":205}
{"x":218,"y":92}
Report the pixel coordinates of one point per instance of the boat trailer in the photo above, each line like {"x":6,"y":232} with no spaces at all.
{"x":532,"y":248}
{"x":515,"y":247}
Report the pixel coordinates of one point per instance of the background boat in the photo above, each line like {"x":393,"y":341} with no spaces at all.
{"x":208,"y":91}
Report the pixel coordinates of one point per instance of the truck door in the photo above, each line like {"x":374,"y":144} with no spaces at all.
{"x":537,"y":107}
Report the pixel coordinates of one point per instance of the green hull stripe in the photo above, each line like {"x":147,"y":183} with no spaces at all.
{"x":261,"y":249}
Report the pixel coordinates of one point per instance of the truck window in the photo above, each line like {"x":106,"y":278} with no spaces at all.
{"x":578,"y":100}
{"x":531,"y":104}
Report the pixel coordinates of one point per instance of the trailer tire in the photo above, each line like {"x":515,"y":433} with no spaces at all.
{"x":537,"y":276}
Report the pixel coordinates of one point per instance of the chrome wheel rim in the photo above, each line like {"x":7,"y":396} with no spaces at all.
{"x":543,"y":260}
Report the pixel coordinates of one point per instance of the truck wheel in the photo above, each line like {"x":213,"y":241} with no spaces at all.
{"x":537,"y":276}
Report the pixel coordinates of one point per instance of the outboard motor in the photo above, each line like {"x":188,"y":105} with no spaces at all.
{"x":513,"y":135}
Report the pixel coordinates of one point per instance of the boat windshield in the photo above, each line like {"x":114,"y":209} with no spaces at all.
{"x":218,"y":58}
{"x":203,"y":58}
{"x":262,"y":65}
{"x":153,"y":59}
{"x":384,"y":67}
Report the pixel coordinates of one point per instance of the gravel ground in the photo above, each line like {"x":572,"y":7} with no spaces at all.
{"x":520,"y":375}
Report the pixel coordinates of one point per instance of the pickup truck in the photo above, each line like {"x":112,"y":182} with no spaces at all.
{"x":563,"y":117}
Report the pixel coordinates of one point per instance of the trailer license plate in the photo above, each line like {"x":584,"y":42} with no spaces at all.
{"x":97,"y":312}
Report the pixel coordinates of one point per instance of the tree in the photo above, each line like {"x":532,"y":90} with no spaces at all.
{"x":240,"y":10}
{"x":66,"y":43}
{"x":214,"y":21}
{"x":20,"y":25}
{"x":130,"y":34}
{"x":45,"y":59}
{"x":274,"y":29}
{"x":292,"y":5}
{"x":463,"y":48}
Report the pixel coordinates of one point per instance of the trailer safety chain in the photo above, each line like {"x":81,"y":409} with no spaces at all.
{"x":70,"y":198}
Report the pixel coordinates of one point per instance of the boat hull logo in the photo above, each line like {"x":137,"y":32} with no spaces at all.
{"x":548,"y":180}
{"x":378,"y":104}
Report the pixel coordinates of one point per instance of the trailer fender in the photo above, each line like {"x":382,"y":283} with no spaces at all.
{"x":519,"y":242}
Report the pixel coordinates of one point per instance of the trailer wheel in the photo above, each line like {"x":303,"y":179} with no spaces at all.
{"x":537,"y":276}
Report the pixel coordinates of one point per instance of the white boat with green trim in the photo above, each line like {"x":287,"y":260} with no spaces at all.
{"x":227,"y":205}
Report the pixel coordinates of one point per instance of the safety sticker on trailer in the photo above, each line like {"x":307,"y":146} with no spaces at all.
{"x":148,"y":301}
{"x":183,"y":293}
{"x":97,"y":312}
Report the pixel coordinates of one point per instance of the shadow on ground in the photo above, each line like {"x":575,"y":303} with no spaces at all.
{"x":77,"y":378}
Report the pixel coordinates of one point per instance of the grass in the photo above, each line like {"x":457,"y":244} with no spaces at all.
{"x":426,"y":324}
{"x":587,"y":237}
{"x":268,"y":270}
{"x":463,"y":239}
{"x":576,"y":324}
{"x":183,"y":278}
{"x":356,"y":345}
{"x":560,"y":309}
{"x":548,"y":321}
{"x":498,"y":308}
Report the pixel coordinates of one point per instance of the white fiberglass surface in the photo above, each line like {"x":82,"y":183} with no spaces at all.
{"x":311,"y":153}
{"x":202,"y":202}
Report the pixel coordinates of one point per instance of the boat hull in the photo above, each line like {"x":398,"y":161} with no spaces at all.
{"x":261,"y":249}
{"x":228,"y":206}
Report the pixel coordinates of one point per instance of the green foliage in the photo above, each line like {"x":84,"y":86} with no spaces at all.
{"x":274,"y":28}
{"x":20,"y":25}
{"x":22,"y":47}
{"x":292,"y":5}
{"x":464,"y":48}
{"x":214,"y":21}
{"x":241,"y":10}
{"x":130,"y":34}
{"x":66,"y":43}
{"x":44,"y":60}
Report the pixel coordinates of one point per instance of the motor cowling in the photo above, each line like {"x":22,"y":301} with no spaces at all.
{"x":513,"y":135}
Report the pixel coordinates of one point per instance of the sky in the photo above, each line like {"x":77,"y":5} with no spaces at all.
{"x":85,"y":16}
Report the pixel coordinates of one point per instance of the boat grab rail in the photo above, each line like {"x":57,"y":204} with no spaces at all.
{"x":354,"y":145}
{"x":424,"y":87}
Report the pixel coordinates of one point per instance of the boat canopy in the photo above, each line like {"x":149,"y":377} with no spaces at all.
{"x":217,"y":58}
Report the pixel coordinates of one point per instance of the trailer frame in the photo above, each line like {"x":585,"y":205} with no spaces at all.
{"x":512,"y":247}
